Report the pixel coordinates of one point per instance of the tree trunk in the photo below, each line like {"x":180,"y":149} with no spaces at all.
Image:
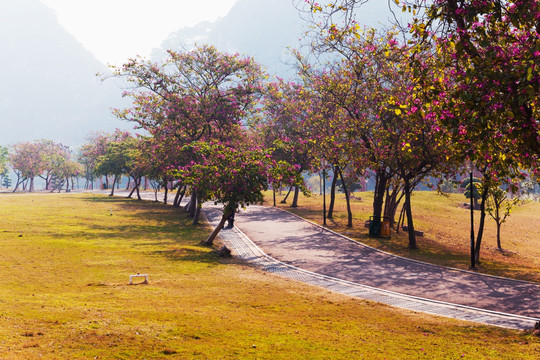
{"x":18,"y":182}
{"x":499,"y":235}
{"x":392,"y":202}
{"x":499,"y":223}
{"x":349,"y":211}
{"x":166,"y":191}
{"x":112,"y":188}
{"x":295,"y":199}
{"x":131,"y":193}
{"x":378,"y":197}
{"x":176,"y":196}
{"x":394,"y":210}
{"x":176,"y":202}
{"x":132,"y":190}
{"x":401,"y":219}
{"x":197,"y":212}
{"x":182,"y":195}
{"x":138,"y":188}
{"x":193,"y":204}
{"x":330,"y":214}
{"x":387,"y":201}
{"x":274,"y":195}
{"x":31,"y":186}
{"x":218,"y":228}
{"x":284,"y":201}
{"x":47,"y":182}
{"x":485,"y":192}
{"x":408,"y":210}
{"x":128,"y":184}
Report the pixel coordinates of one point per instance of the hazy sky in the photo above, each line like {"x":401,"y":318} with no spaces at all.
{"x":114,"y":30}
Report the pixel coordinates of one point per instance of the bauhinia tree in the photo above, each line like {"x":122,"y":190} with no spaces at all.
{"x":25,"y":159}
{"x":493,"y":49}
{"x":67,"y":171}
{"x":232,"y":174}
{"x":490,"y":49}
{"x":197,"y":96}
{"x":286,"y":129}
{"x":95,"y":146}
{"x":119,"y":157}
{"x":490,"y":52}
{"x":332,"y":146}
{"x":282,"y":173}
{"x":53,"y":156}
{"x":392,"y":105}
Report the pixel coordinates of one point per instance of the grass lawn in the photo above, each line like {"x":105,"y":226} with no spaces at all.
{"x":446,"y":227}
{"x":65,"y":262}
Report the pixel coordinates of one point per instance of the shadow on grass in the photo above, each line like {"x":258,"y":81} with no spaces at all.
{"x":193,"y":255}
{"x":161,"y":226}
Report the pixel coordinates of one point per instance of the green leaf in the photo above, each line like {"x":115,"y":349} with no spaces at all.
{"x":530,"y":74}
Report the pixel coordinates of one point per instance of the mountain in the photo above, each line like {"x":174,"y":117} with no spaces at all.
{"x":258,"y":28}
{"x":265,"y":30}
{"x":48,"y":88}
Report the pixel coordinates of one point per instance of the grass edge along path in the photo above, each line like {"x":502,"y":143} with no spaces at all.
{"x":64,"y":267}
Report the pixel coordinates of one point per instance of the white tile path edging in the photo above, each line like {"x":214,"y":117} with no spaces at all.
{"x":248,"y":251}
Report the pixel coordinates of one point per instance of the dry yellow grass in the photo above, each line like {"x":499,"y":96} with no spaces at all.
{"x":64,"y":294}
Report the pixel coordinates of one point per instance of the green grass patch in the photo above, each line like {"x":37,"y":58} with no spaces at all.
{"x":65,"y":263}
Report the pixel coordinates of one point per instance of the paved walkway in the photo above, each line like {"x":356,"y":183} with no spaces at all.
{"x":279,"y":240}
{"x":282,"y":243}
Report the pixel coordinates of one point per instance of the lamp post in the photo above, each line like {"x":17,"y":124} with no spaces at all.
{"x":471,"y":193}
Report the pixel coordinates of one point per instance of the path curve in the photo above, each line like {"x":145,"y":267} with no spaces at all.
{"x":263,"y":234}
{"x":291,"y":240}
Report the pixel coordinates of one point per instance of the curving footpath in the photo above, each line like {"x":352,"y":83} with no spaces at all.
{"x":282,"y":243}
{"x":287,"y":245}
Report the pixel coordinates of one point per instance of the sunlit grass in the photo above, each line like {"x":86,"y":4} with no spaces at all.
{"x":65,"y":263}
{"x":446,"y":227}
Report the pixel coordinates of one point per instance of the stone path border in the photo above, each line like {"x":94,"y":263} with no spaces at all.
{"x":248,"y":251}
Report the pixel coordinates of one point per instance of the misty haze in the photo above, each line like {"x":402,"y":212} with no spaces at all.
{"x":49,"y":87}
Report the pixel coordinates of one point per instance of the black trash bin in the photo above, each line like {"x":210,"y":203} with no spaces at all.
{"x":375,"y":226}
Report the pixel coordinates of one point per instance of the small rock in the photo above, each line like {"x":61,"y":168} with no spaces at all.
{"x":224,"y":252}
{"x":536,"y":329}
